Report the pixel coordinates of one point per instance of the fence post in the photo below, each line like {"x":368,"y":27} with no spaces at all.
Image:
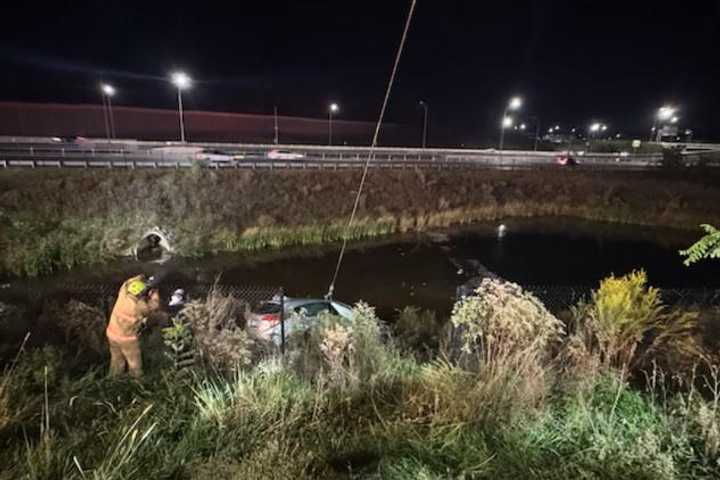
{"x":282,"y":321}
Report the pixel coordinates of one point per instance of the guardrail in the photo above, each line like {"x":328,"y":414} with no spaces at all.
{"x":138,"y":154}
{"x":322,"y":161}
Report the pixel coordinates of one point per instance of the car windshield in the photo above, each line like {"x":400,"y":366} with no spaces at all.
{"x":313,"y":309}
{"x":267,"y":307}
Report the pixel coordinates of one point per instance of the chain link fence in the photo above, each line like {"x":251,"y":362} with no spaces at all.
{"x":562,"y":297}
{"x":556,"y":297}
{"x":103,"y":295}
{"x":33,"y":309}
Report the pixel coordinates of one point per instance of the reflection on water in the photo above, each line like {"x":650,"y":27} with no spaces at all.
{"x":417,"y":270}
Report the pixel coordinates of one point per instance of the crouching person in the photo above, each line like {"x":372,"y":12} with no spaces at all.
{"x":136,"y":300}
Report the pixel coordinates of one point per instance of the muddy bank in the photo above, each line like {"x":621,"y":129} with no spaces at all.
{"x":55,"y":219}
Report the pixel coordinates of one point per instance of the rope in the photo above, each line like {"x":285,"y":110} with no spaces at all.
{"x":331,"y":289}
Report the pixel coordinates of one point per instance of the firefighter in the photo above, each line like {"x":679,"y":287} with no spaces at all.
{"x":136,"y":300}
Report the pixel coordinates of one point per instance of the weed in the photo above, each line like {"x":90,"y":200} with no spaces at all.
{"x":216,"y":324}
{"x":629,"y":325}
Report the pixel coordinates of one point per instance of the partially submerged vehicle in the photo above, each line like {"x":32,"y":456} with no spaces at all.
{"x":299,"y":313}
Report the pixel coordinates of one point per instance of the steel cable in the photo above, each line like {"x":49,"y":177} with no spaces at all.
{"x":331,"y":289}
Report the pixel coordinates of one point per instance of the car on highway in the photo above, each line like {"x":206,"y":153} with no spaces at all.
{"x":284,"y":155}
{"x":566,"y":159}
{"x":196,"y":153}
{"x":215,"y":155}
{"x":264,"y":321}
{"x":74,"y":139}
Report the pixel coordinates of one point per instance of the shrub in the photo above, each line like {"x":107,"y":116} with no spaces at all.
{"x":341,"y":352}
{"x":215,"y":326}
{"x":707,"y":247}
{"x":84,"y":325}
{"x":628,"y":325}
{"x":502,"y":317}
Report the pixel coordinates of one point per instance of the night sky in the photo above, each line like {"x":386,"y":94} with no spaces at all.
{"x":573,"y":61}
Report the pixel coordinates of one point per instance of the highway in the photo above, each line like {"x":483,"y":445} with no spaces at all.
{"x":38,"y":152}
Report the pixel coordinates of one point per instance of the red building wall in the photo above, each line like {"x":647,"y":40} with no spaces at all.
{"x":42,"y":119}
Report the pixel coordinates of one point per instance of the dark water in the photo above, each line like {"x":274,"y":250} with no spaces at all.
{"x":417,"y":270}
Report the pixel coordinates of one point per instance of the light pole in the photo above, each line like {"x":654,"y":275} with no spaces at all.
{"x":514,"y":104}
{"x":594,"y":129}
{"x":424,"y":104}
{"x":277,"y":131}
{"x":334,"y":108}
{"x":536,"y":119}
{"x":182,"y":81}
{"x":107,"y":92}
{"x":664,"y":114}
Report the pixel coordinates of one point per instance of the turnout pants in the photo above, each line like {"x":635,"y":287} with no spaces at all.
{"x":125,"y":351}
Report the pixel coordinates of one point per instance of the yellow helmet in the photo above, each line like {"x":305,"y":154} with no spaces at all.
{"x":136,"y":287}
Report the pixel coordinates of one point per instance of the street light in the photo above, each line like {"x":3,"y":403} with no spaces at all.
{"x":107,"y":92}
{"x":595,"y":128}
{"x":523,"y":126}
{"x":424,"y":104}
{"x":514,"y":104}
{"x":334,"y":108}
{"x":664,"y":114}
{"x":674,"y":120}
{"x":182,"y":81}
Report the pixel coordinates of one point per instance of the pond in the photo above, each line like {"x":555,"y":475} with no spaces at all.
{"x":424,"y":269}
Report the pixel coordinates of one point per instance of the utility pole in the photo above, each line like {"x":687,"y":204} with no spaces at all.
{"x":275,"y":114}
{"x":108,"y":91}
{"x":425,"y":119}
{"x":110,"y":116}
{"x":181,"y":81}
{"x":334,"y":108}
{"x":105,"y":117}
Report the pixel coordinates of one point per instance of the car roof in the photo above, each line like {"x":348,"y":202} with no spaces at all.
{"x":293,"y":302}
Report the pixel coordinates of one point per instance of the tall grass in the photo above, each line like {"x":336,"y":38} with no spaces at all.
{"x":347,"y":403}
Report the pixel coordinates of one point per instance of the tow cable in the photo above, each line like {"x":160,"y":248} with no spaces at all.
{"x":371,"y":152}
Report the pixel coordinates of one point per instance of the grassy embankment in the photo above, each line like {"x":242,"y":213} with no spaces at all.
{"x":518,"y":395}
{"x":54,"y":220}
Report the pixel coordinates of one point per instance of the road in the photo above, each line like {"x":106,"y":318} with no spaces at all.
{"x":36,"y":152}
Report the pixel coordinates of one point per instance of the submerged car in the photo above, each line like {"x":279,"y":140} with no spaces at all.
{"x":284,"y":155}
{"x":264,"y":321}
